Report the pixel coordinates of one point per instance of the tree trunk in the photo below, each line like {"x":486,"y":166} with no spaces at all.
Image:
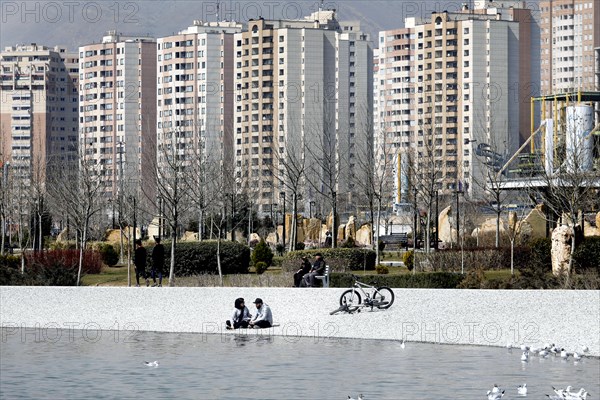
{"x":512,"y":256}
{"x":200,"y":224}
{"x":219,"y":259}
{"x":81,"y":249}
{"x":3,"y":234}
{"x":128,"y":262}
{"x":498,"y":212}
{"x":294,"y":227}
{"x":428,"y":230}
{"x":377,"y":231}
{"x":172,"y":267}
{"x":374,"y":238}
{"x":334,"y":230}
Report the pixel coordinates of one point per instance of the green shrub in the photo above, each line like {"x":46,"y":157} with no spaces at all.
{"x":381,"y":245}
{"x":260,"y":267}
{"x":382,"y":270}
{"x":338,"y":259}
{"x":300,"y":246}
{"x":424,"y":280}
{"x":280,"y":249}
{"x":541,"y":254}
{"x":10,"y":261}
{"x":587,"y":255}
{"x":110,"y":256}
{"x":262,"y":253}
{"x":194,"y":258}
{"x":408,"y":258}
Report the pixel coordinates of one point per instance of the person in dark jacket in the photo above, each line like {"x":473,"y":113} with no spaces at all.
{"x":304,"y":269}
{"x":140,"y":263}
{"x":241,"y":315}
{"x":158,"y":262}
{"x":318,"y":268}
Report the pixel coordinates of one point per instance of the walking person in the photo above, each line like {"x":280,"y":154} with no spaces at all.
{"x":140,"y":263}
{"x":317,"y":269}
{"x":158,"y":262}
{"x":263,"y":317}
{"x":241,"y":315}
{"x":304,"y":269}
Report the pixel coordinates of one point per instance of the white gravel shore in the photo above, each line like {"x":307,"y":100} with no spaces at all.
{"x":570,"y":319}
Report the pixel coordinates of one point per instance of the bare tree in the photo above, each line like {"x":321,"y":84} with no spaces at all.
{"x":169,"y":165}
{"x":376,"y":161}
{"x":77,"y":193}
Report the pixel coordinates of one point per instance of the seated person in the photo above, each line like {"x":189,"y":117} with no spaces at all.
{"x":317,"y":269}
{"x":304,"y":269}
{"x":241,"y":315}
{"x":263,"y":318}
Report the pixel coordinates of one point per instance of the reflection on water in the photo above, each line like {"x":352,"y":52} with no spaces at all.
{"x":109,"y":364}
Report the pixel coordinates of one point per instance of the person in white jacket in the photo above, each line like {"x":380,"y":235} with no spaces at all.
{"x":263,"y":317}
{"x":241,"y":315}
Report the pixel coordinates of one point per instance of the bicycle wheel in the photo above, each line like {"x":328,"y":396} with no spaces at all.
{"x":384,"y":294}
{"x":350,"y":298}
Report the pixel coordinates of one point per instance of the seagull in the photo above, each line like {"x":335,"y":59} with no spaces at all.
{"x":543,"y":353}
{"x":581,"y":395}
{"x":495,"y":393}
{"x":525,"y":356}
{"x":522,"y":390}
{"x":508,"y":346}
{"x":360,"y":397}
{"x":402,"y":345}
{"x":563,"y":354}
{"x":562,"y":393}
{"x":524,"y":348}
{"x":577,"y":356}
{"x":151,"y":363}
{"x":585,"y":349}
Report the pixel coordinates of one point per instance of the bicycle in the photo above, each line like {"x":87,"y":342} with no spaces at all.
{"x":381,"y":297}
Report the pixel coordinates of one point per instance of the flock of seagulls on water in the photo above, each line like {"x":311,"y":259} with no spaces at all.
{"x":549,"y":349}
{"x":543,"y":352}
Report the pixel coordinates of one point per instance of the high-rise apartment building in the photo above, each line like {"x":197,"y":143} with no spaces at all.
{"x":38,"y":111}
{"x":570,"y":31}
{"x":195,"y":94}
{"x":467,"y":76}
{"x":117,"y":108}
{"x":303,"y":97}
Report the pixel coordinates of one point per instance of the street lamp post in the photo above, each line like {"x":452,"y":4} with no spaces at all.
{"x":132,"y":199}
{"x":415,"y":224}
{"x":282,"y":195}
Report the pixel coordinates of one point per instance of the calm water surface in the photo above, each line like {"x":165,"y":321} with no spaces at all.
{"x":103,"y":364}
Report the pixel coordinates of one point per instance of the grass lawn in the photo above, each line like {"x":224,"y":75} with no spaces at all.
{"x":116,"y":276}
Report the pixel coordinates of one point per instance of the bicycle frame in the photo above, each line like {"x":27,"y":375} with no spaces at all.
{"x":359,"y":285}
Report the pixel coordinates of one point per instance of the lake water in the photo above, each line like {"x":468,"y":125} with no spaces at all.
{"x":76,"y":364}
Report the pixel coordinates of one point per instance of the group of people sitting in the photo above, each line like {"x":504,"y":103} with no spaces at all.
{"x":243,"y":319}
{"x":306,"y":275}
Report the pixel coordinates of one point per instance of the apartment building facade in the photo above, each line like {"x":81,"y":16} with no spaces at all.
{"x":570,"y":31}
{"x":195,"y":96}
{"x":38,"y":112}
{"x":303,"y":98}
{"x":117,"y":109}
{"x":454,"y":92}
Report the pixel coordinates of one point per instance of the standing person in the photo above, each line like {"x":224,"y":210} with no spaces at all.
{"x":263,"y":318}
{"x":304,"y":269}
{"x":241,"y":315}
{"x":328,"y":239}
{"x":318,"y":268}
{"x":158,"y":262}
{"x":140,"y":263}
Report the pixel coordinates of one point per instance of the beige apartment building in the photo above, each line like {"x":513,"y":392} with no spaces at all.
{"x":195,"y":96}
{"x":452,"y":86}
{"x":117,"y":109}
{"x":303,"y":98}
{"x":570,"y":31}
{"x":38,"y":111}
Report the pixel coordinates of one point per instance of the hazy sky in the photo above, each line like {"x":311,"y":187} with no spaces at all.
{"x":75,"y":22}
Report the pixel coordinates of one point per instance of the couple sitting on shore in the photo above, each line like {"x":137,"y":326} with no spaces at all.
{"x":243,"y":319}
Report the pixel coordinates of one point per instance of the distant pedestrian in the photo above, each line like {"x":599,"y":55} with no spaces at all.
{"x":158,"y":262}
{"x":241,"y":315}
{"x":328,"y":239}
{"x":304,"y":269}
{"x":263,"y":317}
{"x":140,"y":263}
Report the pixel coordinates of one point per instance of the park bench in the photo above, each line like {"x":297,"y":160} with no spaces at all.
{"x":324,"y":277}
